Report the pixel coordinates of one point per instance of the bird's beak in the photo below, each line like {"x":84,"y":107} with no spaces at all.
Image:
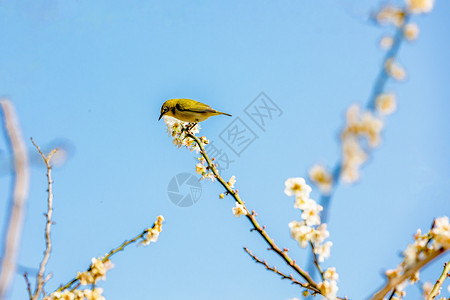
{"x":162,"y":114}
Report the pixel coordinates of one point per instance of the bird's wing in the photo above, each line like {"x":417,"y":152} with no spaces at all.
{"x":194,"y":106}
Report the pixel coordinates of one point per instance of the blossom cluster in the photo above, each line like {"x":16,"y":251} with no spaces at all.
{"x":153,"y":233}
{"x":201,"y":168}
{"x":87,"y":294}
{"x":360,"y":126}
{"x":178,"y":131}
{"x":424,"y":245}
{"x":97,"y":271}
{"x":369,"y":124}
{"x":311,"y":231}
{"x":322,"y":178}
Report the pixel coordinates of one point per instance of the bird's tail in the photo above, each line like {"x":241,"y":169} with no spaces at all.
{"x":222,"y":113}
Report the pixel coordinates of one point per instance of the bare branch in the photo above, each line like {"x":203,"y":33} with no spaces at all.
{"x":25,"y":275}
{"x":274,"y":269}
{"x":18,"y":198}
{"x":40,"y":280}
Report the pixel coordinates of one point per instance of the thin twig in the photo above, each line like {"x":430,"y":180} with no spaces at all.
{"x":107,"y":256}
{"x":274,"y":269}
{"x":316,"y":262}
{"x":18,"y":198}
{"x":440,"y":281}
{"x":40,"y":280}
{"x":252,"y":218}
{"x":392,"y":294}
{"x":25,"y":275}
{"x":394,"y":281}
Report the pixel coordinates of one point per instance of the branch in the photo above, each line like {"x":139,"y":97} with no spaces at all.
{"x":394,"y":281}
{"x":378,"y":87}
{"x":18,"y":198}
{"x":252,"y":218}
{"x":25,"y":275}
{"x":40,"y":281}
{"x":440,"y":281}
{"x":316,"y":262}
{"x":121,"y":247}
{"x":274,"y":269}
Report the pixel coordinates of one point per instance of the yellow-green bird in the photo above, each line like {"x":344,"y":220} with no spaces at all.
{"x":188,"y":110}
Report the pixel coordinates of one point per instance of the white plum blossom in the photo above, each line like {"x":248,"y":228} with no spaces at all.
{"x":301,"y":232}
{"x":298,"y":187}
{"x":239,"y":210}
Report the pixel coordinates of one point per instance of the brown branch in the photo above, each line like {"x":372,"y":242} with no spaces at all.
{"x":18,"y":198}
{"x":316,"y":262}
{"x":25,"y":275}
{"x":275,"y":270}
{"x":40,"y":280}
{"x":252,"y":218}
{"x":440,"y":281}
{"x":394,"y":281}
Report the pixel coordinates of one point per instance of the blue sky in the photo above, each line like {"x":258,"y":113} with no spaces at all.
{"x":96,"y":73}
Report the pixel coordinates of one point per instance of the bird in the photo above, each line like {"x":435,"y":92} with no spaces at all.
{"x":188,"y":110}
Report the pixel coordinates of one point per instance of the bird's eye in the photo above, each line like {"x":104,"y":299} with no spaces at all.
{"x":166,"y":109}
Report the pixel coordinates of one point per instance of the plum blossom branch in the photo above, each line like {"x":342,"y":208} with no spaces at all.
{"x":241,"y":209}
{"x":274,"y":269}
{"x":97,"y":270}
{"x":394,"y":281}
{"x":40,"y":281}
{"x":380,"y":103}
{"x":425,"y":249}
{"x":440,"y":281}
{"x":19,"y":194}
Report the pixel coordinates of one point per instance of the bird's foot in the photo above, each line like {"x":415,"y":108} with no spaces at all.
{"x":190,"y":126}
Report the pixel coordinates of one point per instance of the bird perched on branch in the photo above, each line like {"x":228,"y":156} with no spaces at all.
{"x":188,"y":110}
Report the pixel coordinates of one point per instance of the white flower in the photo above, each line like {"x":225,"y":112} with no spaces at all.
{"x":331,"y":274}
{"x":297,"y":186}
{"x":410,"y":255}
{"x":411,"y":31}
{"x":395,"y":70}
{"x":420,"y":6}
{"x":239,"y":210}
{"x":386,"y":103}
{"x":322,"y":178}
{"x":441,"y":232}
{"x":200,"y":169}
{"x":232,"y":181}
{"x":97,"y":271}
{"x":153,"y":233}
{"x":386,"y":42}
{"x":177,"y":130}
{"x":95,"y":294}
{"x":426,"y":289}
{"x":323,"y":251}
{"x":301,"y":233}
{"x":320,"y":234}
{"x":311,"y":212}
{"x":329,"y":289}
{"x":209,"y":176}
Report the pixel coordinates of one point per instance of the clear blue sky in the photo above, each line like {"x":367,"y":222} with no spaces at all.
{"x":96,"y":74}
